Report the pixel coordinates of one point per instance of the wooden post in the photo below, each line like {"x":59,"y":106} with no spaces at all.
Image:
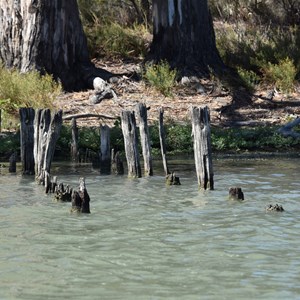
{"x":202,"y":146}
{"x":236,"y":193}
{"x":27,"y":118}
{"x":46,"y":132}
{"x":117,"y":167}
{"x":131,"y":143}
{"x":145,"y":138}
{"x":105,"y":158}
{"x":162,"y":139}
{"x":81,"y":198}
{"x":74,"y":143}
{"x":13,"y":163}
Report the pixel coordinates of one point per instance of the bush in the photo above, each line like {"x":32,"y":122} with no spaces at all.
{"x":113,"y":40}
{"x":161,"y":77}
{"x":282,"y":75}
{"x":26,"y":90}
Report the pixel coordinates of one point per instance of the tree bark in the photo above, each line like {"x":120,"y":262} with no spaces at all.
{"x":183,"y":35}
{"x":145,"y":138}
{"x":47,"y":36}
{"x":202,"y":147}
{"x":131,"y":144}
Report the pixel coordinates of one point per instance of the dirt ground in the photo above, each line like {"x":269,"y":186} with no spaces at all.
{"x":227,"y":108}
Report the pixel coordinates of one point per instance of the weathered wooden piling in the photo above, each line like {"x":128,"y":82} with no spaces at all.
{"x":236,"y":193}
{"x":81,"y":198}
{"x":117,"y":166}
{"x":46,"y":132}
{"x":105,"y":158}
{"x":274,"y":207}
{"x":27,"y":117}
{"x":63,"y":194}
{"x":162,"y":139}
{"x":131,"y":143}
{"x":13,"y":163}
{"x":145,"y":138}
{"x":74,"y":142}
{"x":202,"y":146}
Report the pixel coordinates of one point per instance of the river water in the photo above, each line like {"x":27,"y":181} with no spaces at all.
{"x":145,"y":240}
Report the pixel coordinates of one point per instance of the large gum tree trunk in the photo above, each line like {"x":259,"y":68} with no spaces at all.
{"x":183,"y":35}
{"x":47,"y":35}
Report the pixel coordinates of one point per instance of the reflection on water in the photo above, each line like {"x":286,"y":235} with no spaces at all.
{"x":144,"y":240}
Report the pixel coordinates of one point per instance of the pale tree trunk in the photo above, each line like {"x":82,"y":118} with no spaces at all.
{"x":183,"y":35}
{"x":47,"y":36}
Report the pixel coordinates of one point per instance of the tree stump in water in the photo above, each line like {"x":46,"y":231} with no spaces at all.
{"x":117,"y":167}
{"x":27,"y":117}
{"x":202,"y":147}
{"x":74,"y":143}
{"x":275,"y":207}
{"x":131,"y":144}
{"x":145,"y":138}
{"x":13,"y":163}
{"x":46,"y":132}
{"x":81,"y":199}
{"x":235,"y":193}
{"x":172,"y":179}
{"x":62,"y":194}
{"x":105,"y":158}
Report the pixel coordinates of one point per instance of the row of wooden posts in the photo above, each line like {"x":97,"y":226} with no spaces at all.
{"x":40,"y":130}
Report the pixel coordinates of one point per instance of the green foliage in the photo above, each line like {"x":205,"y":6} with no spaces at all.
{"x":9,"y":143}
{"x":25,"y":90}
{"x":250,"y":78}
{"x":282,"y":75}
{"x":114,"y":40}
{"x":161,"y":77}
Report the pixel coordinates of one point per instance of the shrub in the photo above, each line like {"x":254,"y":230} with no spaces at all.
{"x":282,"y":74}
{"x":114,"y":40}
{"x":250,"y":78}
{"x":161,"y":77}
{"x":26,"y":90}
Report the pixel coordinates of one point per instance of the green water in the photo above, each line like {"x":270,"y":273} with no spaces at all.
{"x":144,"y":240}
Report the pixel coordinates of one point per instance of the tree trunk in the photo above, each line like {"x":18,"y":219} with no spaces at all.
{"x":183,"y":35}
{"x":47,"y":36}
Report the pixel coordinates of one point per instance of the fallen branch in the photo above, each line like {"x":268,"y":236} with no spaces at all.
{"x":88,"y":115}
{"x":287,"y":130}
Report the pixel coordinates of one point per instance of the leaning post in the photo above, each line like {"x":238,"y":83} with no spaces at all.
{"x":27,"y":117}
{"x":131,"y":143}
{"x":145,"y":138}
{"x":162,"y":139}
{"x":202,"y":146}
{"x":105,"y":158}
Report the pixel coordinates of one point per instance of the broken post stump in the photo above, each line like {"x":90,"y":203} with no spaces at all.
{"x":81,"y":198}
{"x":172,"y":179}
{"x":46,"y":132}
{"x":117,"y":166}
{"x":202,"y":147}
{"x":63,"y":194}
{"x":145,"y":138}
{"x":105,"y":158}
{"x":276,"y":207}
{"x":131,"y":144}
{"x":27,"y":118}
{"x":13,"y":163}
{"x":236,"y":193}
{"x":74,"y":142}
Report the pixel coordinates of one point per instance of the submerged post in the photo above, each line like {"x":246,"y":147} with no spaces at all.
{"x":162,"y":139}
{"x":117,"y":167}
{"x":202,"y":147}
{"x":74,"y":143}
{"x":145,"y":138}
{"x":27,"y":117}
{"x":81,"y":198}
{"x":131,"y":143}
{"x":105,"y":159}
